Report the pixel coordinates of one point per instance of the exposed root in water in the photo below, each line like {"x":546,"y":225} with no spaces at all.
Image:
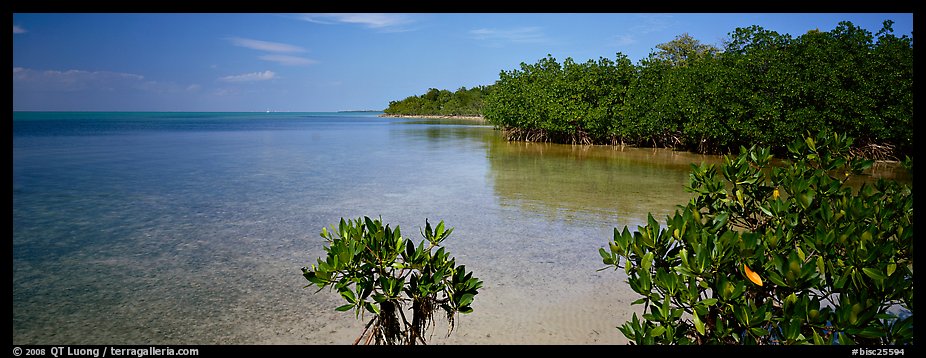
{"x":386,"y":327}
{"x":674,"y":140}
{"x":422,"y":313}
{"x":579,"y":137}
{"x":883,"y":152}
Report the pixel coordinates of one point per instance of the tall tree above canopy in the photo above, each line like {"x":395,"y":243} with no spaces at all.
{"x":683,"y":50}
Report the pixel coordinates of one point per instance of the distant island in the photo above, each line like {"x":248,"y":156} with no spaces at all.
{"x":361,"y":111}
{"x":437,"y":103}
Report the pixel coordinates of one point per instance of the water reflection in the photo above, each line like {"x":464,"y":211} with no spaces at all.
{"x":584,"y":183}
{"x":441,"y":131}
{"x":608,"y":183}
{"x":882,"y":170}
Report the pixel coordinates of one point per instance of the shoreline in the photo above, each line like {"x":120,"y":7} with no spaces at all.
{"x":436,"y":116}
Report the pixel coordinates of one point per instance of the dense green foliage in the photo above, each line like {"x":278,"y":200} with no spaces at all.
{"x":377,"y":270}
{"x":776,"y":254}
{"x":762,"y":88}
{"x":572,"y":102}
{"x":463,"y":102}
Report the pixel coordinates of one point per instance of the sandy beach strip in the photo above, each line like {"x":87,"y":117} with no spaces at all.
{"x":435,"y":116}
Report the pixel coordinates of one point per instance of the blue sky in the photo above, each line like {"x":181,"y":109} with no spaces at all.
{"x":332,"y":62}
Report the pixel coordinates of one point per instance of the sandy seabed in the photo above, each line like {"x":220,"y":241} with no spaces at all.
{"x":260,"y":303}
{"x":506,"y":315}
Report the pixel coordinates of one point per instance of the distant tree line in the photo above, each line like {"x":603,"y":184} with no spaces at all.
{"x":462,"y":102}
{"x":762,"y":88}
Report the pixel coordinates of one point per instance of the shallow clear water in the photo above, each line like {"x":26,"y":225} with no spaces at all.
{"x":191,"y":228}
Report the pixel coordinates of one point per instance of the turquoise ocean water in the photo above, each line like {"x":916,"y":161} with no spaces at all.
{"x":191,"y":228}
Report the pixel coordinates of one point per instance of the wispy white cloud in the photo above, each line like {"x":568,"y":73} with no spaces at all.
{"x":649,"y":23}
{"x":81,"y":80}
{"x":278,"y":51}
{"x":644,"y":26}
{"x":167,"y":87}
{"x":250,"y":77}
{"x":394,"y":22}
{"x":18,"y":30}
{"x":74,"y":80}
{"x":221,"y":92}
{"x":527,"y":34}
{"x":265,"y":45}
{"x":624,"y":40}
{"x":288,"y":60}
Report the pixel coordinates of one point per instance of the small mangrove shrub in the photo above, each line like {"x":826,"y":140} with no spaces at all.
{"x":776,"y":254}
{"x":378,"y":271}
